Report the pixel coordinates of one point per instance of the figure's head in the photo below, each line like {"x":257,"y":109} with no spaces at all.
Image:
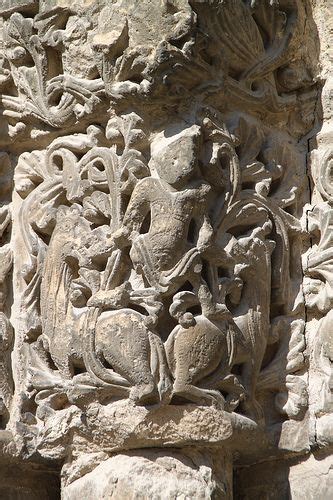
{"x":175,"y":154}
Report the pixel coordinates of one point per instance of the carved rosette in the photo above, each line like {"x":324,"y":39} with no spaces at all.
{"x":159,"y":187}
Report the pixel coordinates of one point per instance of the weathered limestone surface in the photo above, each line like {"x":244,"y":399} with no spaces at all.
{"x":166,"y":280}
{"x":307,"y":477}
{"x":155,"y":474}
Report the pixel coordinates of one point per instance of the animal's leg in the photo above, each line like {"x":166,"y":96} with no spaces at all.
{"x":252,"y":408}
{"x":213,"y":380}
{"x":144,"y":390}
{"x":60,"y":359}
{"x":226,"y":383}
{"x":169,"y":348}
{"x":63,"y":364}
{"x":123,"y":340}
{"x":235,"y":390}
{"x":145,"y":393}
{"x":159,"y":367}
{"x":198,"y":395}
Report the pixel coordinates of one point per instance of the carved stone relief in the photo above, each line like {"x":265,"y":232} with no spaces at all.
{"x":6,"y":257}
{"x":156,"y":206}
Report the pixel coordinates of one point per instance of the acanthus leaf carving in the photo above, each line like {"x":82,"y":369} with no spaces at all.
{"x":159,"y":187}
{"x":317,"y":263}
{"x":129,"y":238}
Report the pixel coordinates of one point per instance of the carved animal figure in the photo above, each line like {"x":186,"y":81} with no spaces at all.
{"x":195,"y":352}
{"x":60,"y":269}
{"x":202,"y":350}
{"x":121,"y":337}
{"x":125,"y":343}
{"x":253,"y":318}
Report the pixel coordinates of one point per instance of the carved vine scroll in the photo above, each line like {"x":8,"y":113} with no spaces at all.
{"x":159,"y":188}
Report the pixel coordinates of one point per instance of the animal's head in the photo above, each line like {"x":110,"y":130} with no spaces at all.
{"x":182,"y":301}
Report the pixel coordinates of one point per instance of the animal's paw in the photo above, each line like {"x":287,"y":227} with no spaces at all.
{"x":144,"y":394}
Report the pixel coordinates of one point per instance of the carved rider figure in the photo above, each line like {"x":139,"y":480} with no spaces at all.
{"x":176,"y":198}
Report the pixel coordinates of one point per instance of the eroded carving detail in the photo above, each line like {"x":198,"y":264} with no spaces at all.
{"x":159,"y":189}
{"x":121,"y":248}
{"x":318,"y":270}
{"x":6,"y":330}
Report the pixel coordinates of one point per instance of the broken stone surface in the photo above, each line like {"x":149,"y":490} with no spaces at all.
{"x":165,"y":251}
{"x":153,"y":474}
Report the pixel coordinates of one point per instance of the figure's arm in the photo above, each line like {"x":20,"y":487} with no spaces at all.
{"x":205,"y":235}
{"x":136,"y":212}
{"x":205,"y":227}
{"x":206,"y":243}
{"x":138,"y":207}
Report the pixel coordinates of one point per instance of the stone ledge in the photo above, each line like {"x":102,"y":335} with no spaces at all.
{"x":124,"y":426}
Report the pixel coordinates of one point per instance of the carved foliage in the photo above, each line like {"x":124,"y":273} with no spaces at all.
{"x":318,"y":268}
{"x":160,"y":238}
{"x":6,"y":331}
{"x":37,"y":55}
{"x":133,"y":240}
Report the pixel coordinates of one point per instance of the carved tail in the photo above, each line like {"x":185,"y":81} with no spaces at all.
{"x":91,"y":361}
